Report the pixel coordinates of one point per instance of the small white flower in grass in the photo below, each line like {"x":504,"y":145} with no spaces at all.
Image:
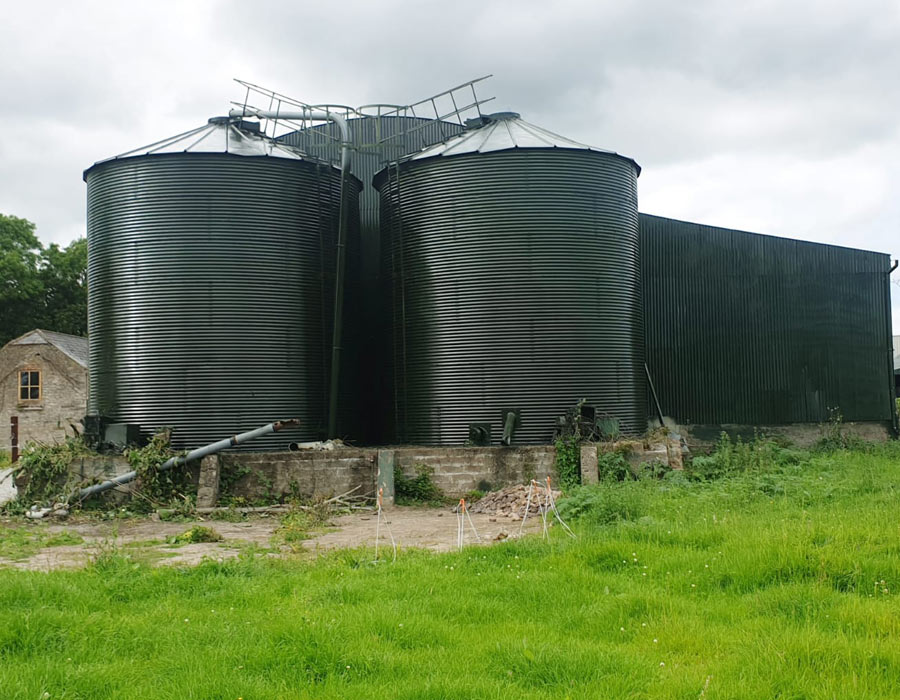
{"x":662,"y":663}
{"x":400,"y":625}
{"x":348,"y":667}
{"x":643,"y":624}
{"x":621,"y":629}
{"x":655,"y":641}
{"x":186,"y":620}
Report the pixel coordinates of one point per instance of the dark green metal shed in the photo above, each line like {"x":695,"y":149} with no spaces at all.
{"x":748,"y":329}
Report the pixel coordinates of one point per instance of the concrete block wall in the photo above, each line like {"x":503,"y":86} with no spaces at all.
{"x":274,"y":476}
{"x":458,"y":470}
{"x":312,"y":474}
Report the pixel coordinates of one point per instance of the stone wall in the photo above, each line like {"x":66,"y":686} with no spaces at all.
{"x":63,"y":394}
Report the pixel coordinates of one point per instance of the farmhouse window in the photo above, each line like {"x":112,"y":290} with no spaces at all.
{"x":30,"y":385}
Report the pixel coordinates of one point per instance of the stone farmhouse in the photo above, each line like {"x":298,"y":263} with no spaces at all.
{"x":43,"y":383}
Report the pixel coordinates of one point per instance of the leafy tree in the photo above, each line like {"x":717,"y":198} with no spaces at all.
{"x":40,"y":288}
{"x":64,"y":277}
{"x":21,"y":288}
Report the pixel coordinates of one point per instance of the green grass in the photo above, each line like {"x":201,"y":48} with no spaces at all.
{"x":776,"y":582}
{"x":18,"y":543}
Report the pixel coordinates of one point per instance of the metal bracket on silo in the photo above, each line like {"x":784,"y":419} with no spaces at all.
{"x":384,"y":478}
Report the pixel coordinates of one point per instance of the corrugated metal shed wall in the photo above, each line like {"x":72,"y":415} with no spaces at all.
{"x":750,"y":329}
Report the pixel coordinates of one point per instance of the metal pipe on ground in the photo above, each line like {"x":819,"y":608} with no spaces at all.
{"x":191,"y":456}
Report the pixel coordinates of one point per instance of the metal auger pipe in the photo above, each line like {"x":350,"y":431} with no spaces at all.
{"x":191,"y":456}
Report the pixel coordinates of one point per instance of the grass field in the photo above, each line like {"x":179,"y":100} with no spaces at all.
{"x":778,"y":580}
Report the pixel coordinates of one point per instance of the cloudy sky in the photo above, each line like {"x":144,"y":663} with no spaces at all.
{"x":776,"y":117}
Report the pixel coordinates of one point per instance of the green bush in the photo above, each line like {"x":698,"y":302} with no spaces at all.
{"x":835,"y":435}
{"x":612,"y":466}
{"x":735,"y":457}
{"x":159,"y":488}
{"x":196,"y":534}
{"x":603,"y":504}
{"x":417,"y":490}
{"x":568,"y":462}
{"x":46,"y":468}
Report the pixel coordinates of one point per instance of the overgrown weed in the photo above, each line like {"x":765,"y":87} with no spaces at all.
{"x":419,"y":489}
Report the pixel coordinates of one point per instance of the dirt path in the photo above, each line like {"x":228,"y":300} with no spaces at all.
{"x":429,"y":528}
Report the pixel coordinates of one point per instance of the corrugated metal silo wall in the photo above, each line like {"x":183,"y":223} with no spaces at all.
{"x":759,"y":330}
{"x":211,"y":287}
{"x":376,"y":140}
{"x":516,"y":285}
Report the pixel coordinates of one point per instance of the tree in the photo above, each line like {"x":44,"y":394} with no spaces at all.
{"x":40,"y":288}
{"x":64,"y":278}
{"x":21,"y":288}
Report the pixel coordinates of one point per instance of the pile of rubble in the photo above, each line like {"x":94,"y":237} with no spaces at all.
{"x":511,"y":502}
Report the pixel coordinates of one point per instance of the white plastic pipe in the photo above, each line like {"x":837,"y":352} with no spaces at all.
{"x":312,"y":115}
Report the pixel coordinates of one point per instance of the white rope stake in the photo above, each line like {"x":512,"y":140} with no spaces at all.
{"x":471,"y":522}
{"x":555,"y":511}
{"x":527,"y":507}
{"x":542,"y":509}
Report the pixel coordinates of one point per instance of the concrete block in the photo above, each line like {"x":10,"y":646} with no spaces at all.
{"x":589,"y":473}
{"x":384,"y":479}
{"x":673,"y":453}
{"x":208,"y":486}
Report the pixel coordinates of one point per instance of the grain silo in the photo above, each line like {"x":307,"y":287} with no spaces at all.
{"x":513,"y":254}
{"x":211,"y":266}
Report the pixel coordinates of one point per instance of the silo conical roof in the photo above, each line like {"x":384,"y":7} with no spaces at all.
{"x":504,"y":131}
{"x":218,"y":135}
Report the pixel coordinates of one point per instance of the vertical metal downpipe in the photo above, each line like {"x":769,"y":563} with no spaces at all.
{"x":338,"y":310}
{"x":895,"y":414}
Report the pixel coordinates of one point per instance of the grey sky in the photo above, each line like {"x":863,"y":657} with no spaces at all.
{"x":774,"y":117}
